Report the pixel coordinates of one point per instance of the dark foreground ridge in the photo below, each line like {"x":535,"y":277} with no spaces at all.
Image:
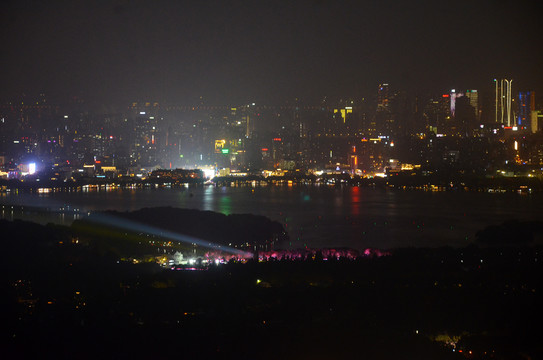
{"x":67,"y":295}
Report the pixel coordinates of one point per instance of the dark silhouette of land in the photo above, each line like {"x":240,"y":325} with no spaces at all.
{"x":228,"y":230}
{"x":68,"y":295}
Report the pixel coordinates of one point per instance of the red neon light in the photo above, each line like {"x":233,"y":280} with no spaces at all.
{"x":445,"y":95}
{"x":97,"y":161}
{"x":264,"y":149}
{"x":276,"y":139}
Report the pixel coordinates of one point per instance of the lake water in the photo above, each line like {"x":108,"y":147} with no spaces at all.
{"x":314,"y":216}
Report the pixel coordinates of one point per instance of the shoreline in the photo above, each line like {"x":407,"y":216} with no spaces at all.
{"x":502,"y":185}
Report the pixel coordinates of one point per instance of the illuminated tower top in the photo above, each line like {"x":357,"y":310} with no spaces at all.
{"x":503,"y":101}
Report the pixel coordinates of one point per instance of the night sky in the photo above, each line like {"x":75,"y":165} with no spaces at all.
{"x":264,"y":51}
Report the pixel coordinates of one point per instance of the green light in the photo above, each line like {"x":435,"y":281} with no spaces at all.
{"x":181,"y":155}
{"x":225,"y":151}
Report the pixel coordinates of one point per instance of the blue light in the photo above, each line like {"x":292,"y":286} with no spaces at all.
{"x":134,"y":226}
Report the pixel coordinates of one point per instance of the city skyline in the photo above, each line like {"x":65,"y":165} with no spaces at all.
{"x":242,"y":52}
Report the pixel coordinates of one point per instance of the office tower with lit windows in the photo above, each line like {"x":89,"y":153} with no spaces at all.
{"x":384,"y":116}
{"x":526,"y":104}
{"x":383,"y":97}
{"x":353,"y":160}
{"x":473,"y":96}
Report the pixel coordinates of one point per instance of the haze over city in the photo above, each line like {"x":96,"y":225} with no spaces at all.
{"x":235,"y":52}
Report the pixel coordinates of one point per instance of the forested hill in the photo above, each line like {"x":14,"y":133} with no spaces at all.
{"x":229,"y":230}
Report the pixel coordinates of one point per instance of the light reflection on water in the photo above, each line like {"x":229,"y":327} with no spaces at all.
{"x":314,"y":216}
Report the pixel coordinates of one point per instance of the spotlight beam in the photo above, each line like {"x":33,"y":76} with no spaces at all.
{"x":135,"y":226}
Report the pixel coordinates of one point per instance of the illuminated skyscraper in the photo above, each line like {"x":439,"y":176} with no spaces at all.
{"x":503,"y":102}
{"x":383,"y":97}
{"x":344,"y":112}
{"x":526,"y":104}
{"x":384,"y":117}
{"x":473,"y":97}
{"x":537,"y":119}
{"x":453,"y":95}
{"x":353,"y":160}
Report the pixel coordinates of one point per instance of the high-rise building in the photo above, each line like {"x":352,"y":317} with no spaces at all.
{"x":503,"y":102}
{"x":344,"y":112}
{"x":384,"y":117}
{"x":536,"y":119}
{"x":473,"y":97}
{"x":453,"y":96}
{"x":526,"y":104}
{"x":353,"y":160}
{"x":383,"y":97}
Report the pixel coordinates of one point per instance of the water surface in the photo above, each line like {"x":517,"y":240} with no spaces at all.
{"x":314,"y":216}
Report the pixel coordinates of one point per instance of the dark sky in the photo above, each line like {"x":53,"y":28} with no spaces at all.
{"x":264,"y":51}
